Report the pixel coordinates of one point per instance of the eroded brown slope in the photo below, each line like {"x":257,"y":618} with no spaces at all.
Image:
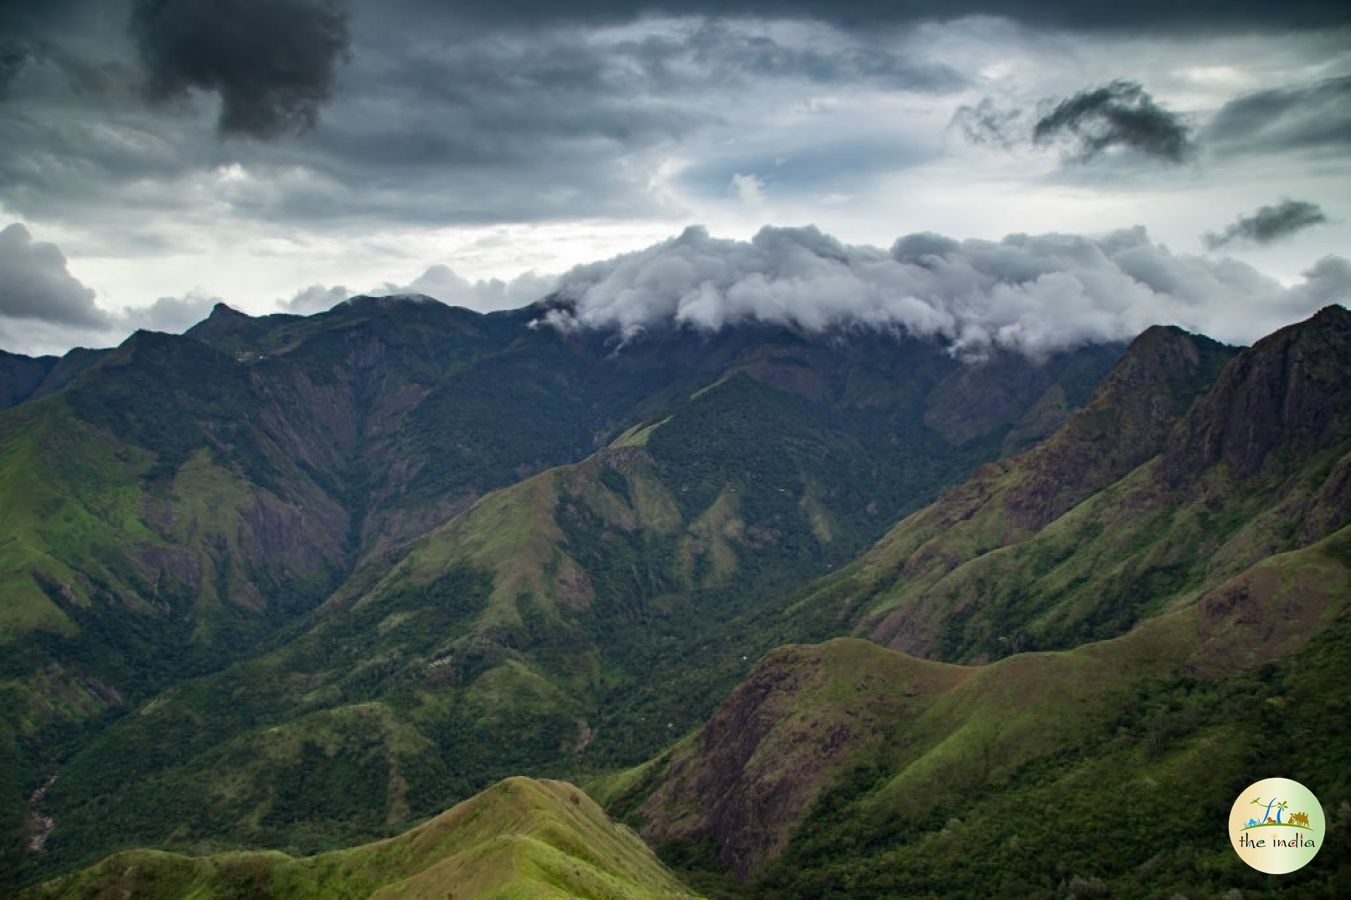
{"x":928,"y":735}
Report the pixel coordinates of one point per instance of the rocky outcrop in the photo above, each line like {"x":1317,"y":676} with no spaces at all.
{"x":801,"y":719}
{"x":1191,"y":464}
{"x":1287,"y":398}
{"x":1127,"y":422}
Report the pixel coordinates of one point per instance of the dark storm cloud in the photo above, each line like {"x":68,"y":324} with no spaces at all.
{"x":1150,"y":16}
{"x":466,"y":113}
{"x":35,"y":284}
{"x":1269,"y":223}
{"x":13,"y":57}
{"x":1118,"y":115}
{"x":724,"y":50}
{"x":51,"y":67}
{"x":273,"y":62}
{"x":434,"y":129}
{"x":503,"y":101}
{"x":1307,"y":117}
{"x":445,"y":127}
{"x":436,"y":122}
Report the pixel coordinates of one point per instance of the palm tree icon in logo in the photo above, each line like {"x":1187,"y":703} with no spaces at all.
{"x":1266,"y":815}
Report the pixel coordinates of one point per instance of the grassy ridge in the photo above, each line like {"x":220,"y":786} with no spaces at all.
{"x":845,"y":769}
{"x":519,"y":838}
{"x":1228,"y":586}
{"x":1093,"y":530}
{"x":539,"y":630}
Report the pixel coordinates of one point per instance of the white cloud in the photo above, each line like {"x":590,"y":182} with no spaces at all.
{"x":315,"y":298}
{"x":1030,"y":293}
{"x":441,"y":283}
{"x":171,"y":314}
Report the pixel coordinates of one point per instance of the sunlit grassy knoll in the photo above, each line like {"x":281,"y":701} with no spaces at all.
{"x":519,"y":838}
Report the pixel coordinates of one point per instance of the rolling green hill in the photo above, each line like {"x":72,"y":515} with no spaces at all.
{"x":519,"y":838}
{"x":402,"y":535}
{"x":1194,"y":577}
{"x":347,"y":570}
{"x":1132,"y":509}
{"x":846,"y":769}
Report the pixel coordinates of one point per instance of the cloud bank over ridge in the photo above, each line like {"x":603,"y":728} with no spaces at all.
{"x":1033,"y":294}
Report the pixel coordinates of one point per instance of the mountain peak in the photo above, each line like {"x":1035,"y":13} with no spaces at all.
{"x":1333,"y":313}
{"x":226,"y":326}
{"x":223,"y":310}
{"x":1127,"y":421}
{"x":1290,"y":390}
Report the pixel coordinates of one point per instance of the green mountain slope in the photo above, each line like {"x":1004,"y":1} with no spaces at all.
{"x":538,"y":630}
{"x":378,"y":509}
{"x":20,"y":376}
{"x":1123,"y":514}
{"x":845,"y":769}
{"x":570,"y":587}
{"x":519,"y":838}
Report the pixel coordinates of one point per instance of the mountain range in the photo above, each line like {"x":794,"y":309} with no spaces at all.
{"x":810,"y":612}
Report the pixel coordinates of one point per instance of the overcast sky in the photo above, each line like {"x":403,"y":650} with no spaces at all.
{"x":1031,"y":173}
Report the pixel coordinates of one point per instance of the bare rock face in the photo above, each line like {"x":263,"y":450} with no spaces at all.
{"x":803,"y":718}
{"x":1127,"y":422}
{"x":742,"y":804}
{"x":1190,"y":422}
{"x":1287,"y":397}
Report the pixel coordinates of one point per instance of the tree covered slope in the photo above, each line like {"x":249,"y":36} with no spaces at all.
{"x":846,"y":769}
{"x":1193,"y":579}
{"x":454,"y":525}
{"x":1141,"y":503}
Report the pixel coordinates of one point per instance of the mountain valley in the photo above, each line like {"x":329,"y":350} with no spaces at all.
{"x":811,"y":613}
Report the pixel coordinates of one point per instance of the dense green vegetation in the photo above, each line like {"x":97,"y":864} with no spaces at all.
{"x":1100,"y":770}
{"x":357,"y":567}
{"x":1086,"y":535}
{"x":537,"y":631}
{"x":1137,"y":808}
{"x":1106,"y":769}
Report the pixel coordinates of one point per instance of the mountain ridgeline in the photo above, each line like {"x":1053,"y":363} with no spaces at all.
{"x":477,"y":531}
{"x":519,"y":838}
{"x":810,"y":612}
{"x":1180,"y":555}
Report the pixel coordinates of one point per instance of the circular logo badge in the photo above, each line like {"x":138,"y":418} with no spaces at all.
{"x":1276,"y":826}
